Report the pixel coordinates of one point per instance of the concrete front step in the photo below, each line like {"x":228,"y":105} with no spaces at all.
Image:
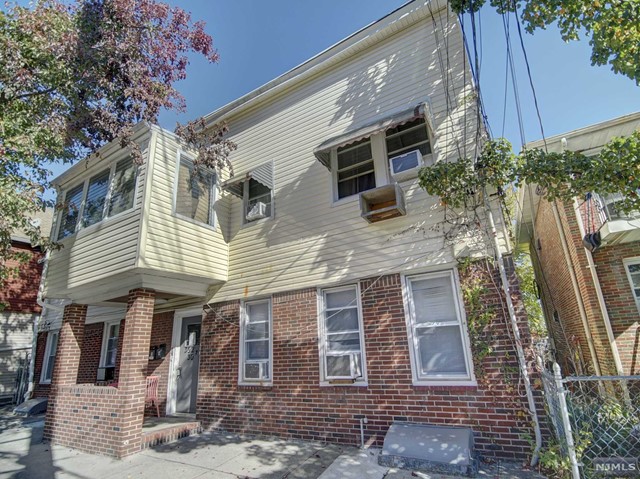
{"x":169,"y":433}
{"x":423,"y":447}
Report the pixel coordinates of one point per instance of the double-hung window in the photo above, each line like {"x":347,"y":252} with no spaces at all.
{"x":256,"y":364}
{"x":439,"y":345}
{"x":632,"y":265}
{"x":402,"y":141}
{"x":195,"y":191}
{"x":49,"y":357}
{"x":257,"y":200}
{"x":105,"y":194}
{"x":355,"y":170}
{"x":341,"y":336}
{"x":110,"y":344}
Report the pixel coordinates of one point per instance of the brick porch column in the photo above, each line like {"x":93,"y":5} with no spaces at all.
{"x":132,"y":379}
{"x":67,"y":362}
{"x":65,"y":369}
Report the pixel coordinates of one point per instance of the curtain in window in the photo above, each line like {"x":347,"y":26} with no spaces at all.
{"x":124,"y":185}
{"x":71,"y":212}
{"x":194,"y":196}
{"x":96,"y":195}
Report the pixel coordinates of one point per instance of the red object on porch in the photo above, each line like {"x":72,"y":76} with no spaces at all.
{"x":152,"y":392}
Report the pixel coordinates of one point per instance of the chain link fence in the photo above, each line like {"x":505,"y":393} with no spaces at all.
{"x":596,"y":420}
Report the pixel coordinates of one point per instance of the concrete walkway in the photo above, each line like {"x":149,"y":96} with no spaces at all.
{"x":23,"y":455}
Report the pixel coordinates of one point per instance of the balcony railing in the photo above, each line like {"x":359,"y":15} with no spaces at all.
{"x":606,"y":206}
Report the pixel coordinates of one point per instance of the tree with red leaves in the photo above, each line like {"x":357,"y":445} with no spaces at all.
{"x":74,"y":77}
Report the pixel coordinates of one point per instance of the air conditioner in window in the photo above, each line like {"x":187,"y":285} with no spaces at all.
{"x":408,"y":161}
{"x":257,"y":211}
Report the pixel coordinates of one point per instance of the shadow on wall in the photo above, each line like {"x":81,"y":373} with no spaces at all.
{"x":302,"y":235}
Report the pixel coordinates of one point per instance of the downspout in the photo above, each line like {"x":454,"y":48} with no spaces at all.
{"x":36,"y":324}
{"x":576,"y":289}
{"x":522,"y":362}
{"x":601,"y":302}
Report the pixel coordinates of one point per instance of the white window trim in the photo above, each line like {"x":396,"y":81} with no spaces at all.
{"x":47,"y":353}
{"x":358,"y":382}
{"x":380,"y":169}
{"x":243,"y":318}
{"x":85,"y":182}
{"x":213,"y":220}
{"x":245,"y":203}
{"x":627,"y":262}
{"x":103,"y":348}
{"x":412,"y":173}
{"x":470,"y":380}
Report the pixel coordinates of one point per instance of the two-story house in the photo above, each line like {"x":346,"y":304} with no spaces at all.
{"x":587,"y":260}
{"x":312,"y":289}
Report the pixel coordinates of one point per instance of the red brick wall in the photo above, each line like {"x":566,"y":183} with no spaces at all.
{"x":621,"y":305}
{"x":101,"y":419}
{"x":40,"y":390}
{"x":558,"y":294}
{"x":553,"y":276}
{"x":296,"y":406}
{"x":161,"y":333}
{"x":88,"y":418}
{"x":20,"y":293}
{"x":90,"y":355}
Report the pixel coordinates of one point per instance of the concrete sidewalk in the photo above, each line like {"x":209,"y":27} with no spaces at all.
{"x":23,"y":455}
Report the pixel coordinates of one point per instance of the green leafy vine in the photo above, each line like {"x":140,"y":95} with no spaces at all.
{"x":565,"y":175}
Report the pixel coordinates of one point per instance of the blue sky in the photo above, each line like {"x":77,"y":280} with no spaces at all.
{"x":259,"y":40}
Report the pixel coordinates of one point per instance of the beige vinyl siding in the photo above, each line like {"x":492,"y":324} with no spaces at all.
{"x":16,"y":330}
{"x":312,"y":241}
{"x":175,"y":244}
{"x":16,"y":334}
{"x":101,"y":250}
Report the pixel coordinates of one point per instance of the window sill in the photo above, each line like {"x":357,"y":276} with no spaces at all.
{"x":444,"y":383}
{"x":346,"y":200}
{"x":46,"y":382}
{"x":248,"y":224}
{"x":195,"y":222}
{"x":247,"y":386}
{"x":332,"y":384}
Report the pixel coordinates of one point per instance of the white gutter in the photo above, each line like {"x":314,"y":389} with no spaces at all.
{"x":576,"y":289}
{"x":601,"y":302}
{"x":522,"y":362}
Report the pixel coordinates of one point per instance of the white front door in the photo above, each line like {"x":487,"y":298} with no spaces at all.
{"x":185,"y":362}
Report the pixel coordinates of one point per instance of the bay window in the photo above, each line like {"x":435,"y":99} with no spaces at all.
{"x":103,"y":195}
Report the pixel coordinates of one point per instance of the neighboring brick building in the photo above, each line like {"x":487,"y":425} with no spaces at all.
{"x":19,"y":296}
{"x":330,"y":281}
{"x":592,"y":333}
